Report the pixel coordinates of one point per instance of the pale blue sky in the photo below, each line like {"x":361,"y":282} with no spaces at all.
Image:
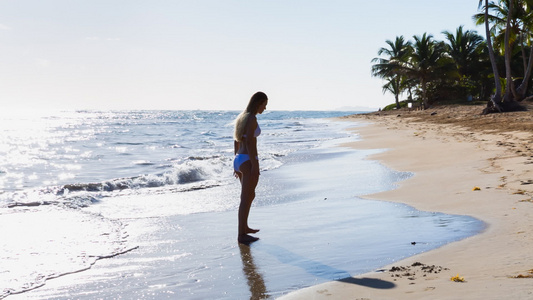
{"x":206,"y":54}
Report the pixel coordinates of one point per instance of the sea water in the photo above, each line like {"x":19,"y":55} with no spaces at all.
{"x":142,"y":204}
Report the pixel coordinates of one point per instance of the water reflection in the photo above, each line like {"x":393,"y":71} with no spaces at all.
{"x":255,"y":279}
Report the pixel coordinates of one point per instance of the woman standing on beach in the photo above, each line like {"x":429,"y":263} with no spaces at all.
{"x":246,"y":164}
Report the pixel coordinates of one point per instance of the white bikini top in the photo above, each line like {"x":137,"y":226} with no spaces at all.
{"x":257,"y":132}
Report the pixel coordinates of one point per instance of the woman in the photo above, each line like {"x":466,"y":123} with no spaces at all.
{"x":246,"y":164}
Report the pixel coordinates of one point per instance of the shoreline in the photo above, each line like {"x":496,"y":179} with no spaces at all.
{"x":459,"y":169}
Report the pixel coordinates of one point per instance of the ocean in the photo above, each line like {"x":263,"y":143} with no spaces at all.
{"x":143,"y":204}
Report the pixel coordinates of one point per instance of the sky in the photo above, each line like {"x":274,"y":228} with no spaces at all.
{"x":206,"y":54}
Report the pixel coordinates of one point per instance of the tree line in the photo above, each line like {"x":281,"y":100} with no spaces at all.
{"x":465,"y":66}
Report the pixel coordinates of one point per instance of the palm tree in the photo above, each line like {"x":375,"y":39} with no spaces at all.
{"x":467,"y":49}
{"x":498,"y":13}
{"x":525,"y":15}
{"x":387,"y":67}
{"x":427,"y":62}
{"x":396,"y":85}
{"x":397,"y":53}
{"x":464,"y":49}
{"x":512,"y":19}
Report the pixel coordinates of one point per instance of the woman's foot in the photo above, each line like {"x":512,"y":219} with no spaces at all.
{"x":250,"y":230}
{"x":246,"y":239}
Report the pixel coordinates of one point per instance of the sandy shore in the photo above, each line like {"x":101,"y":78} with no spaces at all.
{"x":481,"y":166}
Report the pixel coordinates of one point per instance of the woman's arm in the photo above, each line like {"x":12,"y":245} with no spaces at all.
{"x":251,"y":144}
{"x":236,"y":146}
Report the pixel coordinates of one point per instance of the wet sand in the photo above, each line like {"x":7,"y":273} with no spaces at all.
{"x":467,"y":164}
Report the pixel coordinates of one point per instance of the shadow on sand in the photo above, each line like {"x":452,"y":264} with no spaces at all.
{"x":319,"y":269}
{"x":369,"y":282}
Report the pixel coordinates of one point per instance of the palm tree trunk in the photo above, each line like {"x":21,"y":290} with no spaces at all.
{"x":522,"y":89}
{"x":496,"y":99}
{"x":523,"y":49}
{"x":510,"y":92}
{"x":424,"y":93}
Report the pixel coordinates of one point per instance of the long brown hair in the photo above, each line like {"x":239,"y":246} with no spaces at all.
{"x":252,"y":108}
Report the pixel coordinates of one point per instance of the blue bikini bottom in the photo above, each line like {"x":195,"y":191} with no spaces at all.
{"x":239,"y":160}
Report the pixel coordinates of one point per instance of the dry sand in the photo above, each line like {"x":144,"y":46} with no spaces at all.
{"x":464,"y":163}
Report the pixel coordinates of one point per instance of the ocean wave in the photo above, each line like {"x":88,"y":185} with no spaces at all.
{"x":192,"y":169}
{"x":143,"y":163}
{"x":29,"y":204}
{"x":208,"y":133}
{"x":204,"y":157}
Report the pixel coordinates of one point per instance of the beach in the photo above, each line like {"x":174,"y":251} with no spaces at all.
{"x":466,"y":164}
{"x":402,"y":195}
{"x":149,"y":208}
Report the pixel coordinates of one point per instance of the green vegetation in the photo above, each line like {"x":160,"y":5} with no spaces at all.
{"x":466,"y":67}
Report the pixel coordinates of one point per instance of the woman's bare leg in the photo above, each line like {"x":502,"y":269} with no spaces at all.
{"x":248,"y":185}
